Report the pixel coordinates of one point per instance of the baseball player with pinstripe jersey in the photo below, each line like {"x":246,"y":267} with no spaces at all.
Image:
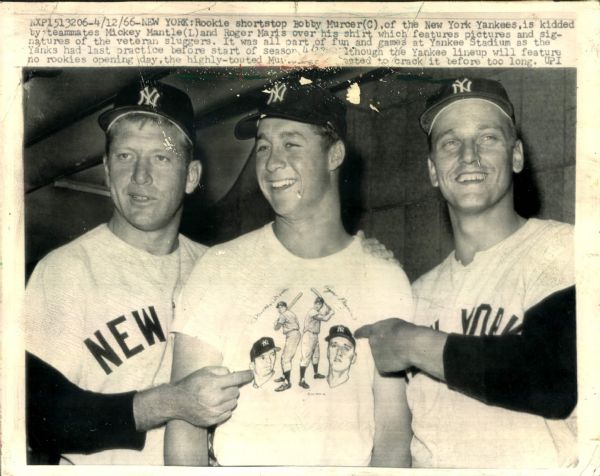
{"x":100,"y":308}
{"x":494,"y":342}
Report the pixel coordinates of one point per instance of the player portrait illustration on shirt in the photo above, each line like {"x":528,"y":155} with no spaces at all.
{"x":262,"y":360}
{"x":341,"y":354}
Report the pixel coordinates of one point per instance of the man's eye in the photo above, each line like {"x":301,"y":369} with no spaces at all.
{"x":123,"y":156}
{"x":162,"y":158}
{"x":489,"y":139}
{"x":450,"y":144}
{"x":262,"y":147}
{"x":289,"y":145}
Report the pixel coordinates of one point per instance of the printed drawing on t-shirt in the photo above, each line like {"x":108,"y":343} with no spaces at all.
{"x":341,"y":354}
{"x":303,"y":366}
{"x":309,"y":347}
{"x":262,"y":360}
{"x":288,"y":322}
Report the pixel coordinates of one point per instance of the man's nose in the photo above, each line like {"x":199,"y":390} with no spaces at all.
{"x":275,"y":160}
{"x":141,"y":172}
{"x":469,"y":152}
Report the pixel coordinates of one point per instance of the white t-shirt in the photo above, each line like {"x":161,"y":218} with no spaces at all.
{"x":100,"y":311}
{"x":230,"y":303}
{"x":489,"y":297}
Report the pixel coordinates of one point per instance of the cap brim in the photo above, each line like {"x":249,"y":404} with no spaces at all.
{"x":427,"y":117}
{"x":107,"y":118}
{"x":276,"y":349}
{"x":246,"y":128}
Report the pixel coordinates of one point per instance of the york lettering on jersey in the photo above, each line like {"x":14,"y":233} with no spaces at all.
{"x":483,"y":320}
{"x":124,"y":346}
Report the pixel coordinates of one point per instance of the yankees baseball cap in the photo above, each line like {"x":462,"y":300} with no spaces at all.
{"x":340,"y":331}
{"x":307,"y":103}
{"x":262,"y":345}
{"x":465,"y":88}
{"x":152,"y":97}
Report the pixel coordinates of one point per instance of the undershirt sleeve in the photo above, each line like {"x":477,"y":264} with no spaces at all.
{"x":63,"y":418}
{"x":534,"y":372}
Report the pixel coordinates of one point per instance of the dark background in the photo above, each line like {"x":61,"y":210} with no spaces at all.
{"x":385,"y":186}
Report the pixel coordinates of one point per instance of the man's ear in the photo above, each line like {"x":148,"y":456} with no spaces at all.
{"x":336,"y":155}
{"x":353,"y":358}
{"x":106,"y":174}
{"x":433,"y":178}
{"x":518,"y":157}
{"x":194,"y":172}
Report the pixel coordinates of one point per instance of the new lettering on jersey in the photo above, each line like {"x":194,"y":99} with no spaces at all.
{"x":150,"y":328}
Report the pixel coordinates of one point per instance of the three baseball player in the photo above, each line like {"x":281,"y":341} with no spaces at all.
{"x":494,"y":333}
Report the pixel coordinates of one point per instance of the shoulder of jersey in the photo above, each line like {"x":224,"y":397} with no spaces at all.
{"x":74,"y":249}
{"x":559,"y":227}
{"x":433,"y":274}
{"x":548,"y":235}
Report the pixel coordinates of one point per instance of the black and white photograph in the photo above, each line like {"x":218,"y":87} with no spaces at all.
{"x":465,"y":179}
{"x":352,"y":264}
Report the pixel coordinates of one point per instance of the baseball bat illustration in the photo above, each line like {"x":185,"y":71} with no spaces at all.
{"x":295,"y":300}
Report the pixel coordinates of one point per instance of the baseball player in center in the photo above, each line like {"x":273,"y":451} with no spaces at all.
{"x":320,"y":312}
{"x":300,"y":132}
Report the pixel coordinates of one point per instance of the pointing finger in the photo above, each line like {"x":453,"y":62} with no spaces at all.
{"x":363,"y":332}
{"x":217,"y":370}
{"x":237,"y":378}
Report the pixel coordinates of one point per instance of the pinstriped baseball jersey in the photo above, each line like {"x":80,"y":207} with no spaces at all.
{"x":489,"y":296}
{"x":100,"y":311}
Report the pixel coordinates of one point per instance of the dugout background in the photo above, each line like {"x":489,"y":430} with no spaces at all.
{"x":385,"y":185}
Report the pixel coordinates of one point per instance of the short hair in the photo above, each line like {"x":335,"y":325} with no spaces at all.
{"x":329,"y":135}
{"x":141,"y":119}
{"x":319,"y":300}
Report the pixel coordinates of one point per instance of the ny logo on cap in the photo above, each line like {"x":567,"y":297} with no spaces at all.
{"x":341,"y":329}
{"x":463,"y":86}
{"x":277,"y":93}
{"x":148,"y":97}
{"x":265,"y":342}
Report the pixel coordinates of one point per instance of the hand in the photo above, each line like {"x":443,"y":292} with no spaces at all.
{"x":390,"y":342}
{"x":375,"y":248}
{"x":208,"y":396}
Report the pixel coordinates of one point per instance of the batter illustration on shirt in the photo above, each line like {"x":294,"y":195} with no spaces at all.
{"x":288,"y":323}
{"x":320,"y":312}
{"x":262,"y":360}
{"x":341,"y":354}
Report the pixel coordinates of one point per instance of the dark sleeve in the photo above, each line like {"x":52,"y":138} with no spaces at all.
{"x":534,"y":372}
{"x":63,"y":418}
